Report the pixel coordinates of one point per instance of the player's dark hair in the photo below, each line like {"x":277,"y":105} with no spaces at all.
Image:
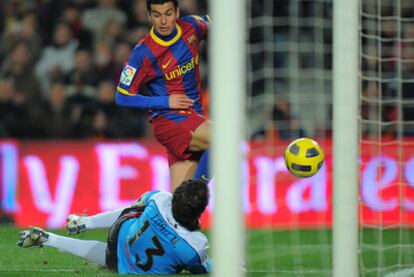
{"x":160,"y":2}
{"x":188,"y":203}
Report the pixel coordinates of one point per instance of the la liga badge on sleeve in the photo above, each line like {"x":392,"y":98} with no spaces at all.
{"x":127,"y":75}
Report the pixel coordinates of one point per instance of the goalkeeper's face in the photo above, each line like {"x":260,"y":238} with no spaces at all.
{"x":163,"y":17}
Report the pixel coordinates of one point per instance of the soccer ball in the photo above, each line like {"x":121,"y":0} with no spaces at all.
{"x":304,"y":157}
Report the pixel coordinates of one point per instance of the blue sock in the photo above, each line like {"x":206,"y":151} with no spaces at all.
{"x":202,"y":171}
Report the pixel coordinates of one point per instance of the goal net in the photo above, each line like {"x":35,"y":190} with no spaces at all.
{"x":289,"y":79}
{"x":386,"y":138}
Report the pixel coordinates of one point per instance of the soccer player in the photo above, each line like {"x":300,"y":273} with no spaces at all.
{"x":158,"y":234}
{"x":166,"y":60}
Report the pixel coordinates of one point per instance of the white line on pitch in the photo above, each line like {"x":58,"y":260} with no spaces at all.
{"x":409,"y":272}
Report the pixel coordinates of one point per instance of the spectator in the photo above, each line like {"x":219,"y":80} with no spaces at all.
{"x":91,"y":123}
{"x":82,"y":77}
{"x":95,"y":19}
{"x":121,"y":54}
{"x":188,"y":7}
{"x":369,"y":108}
{"x":408,"y":88}
{"x":57,"y":59}
{"x":118,"y":118}
{"x":54,"y":112}
{"x":23,"y":29}
{"x":374,"y":110}
{"x":287,"y":123}
{"x":80,"y":111}
{"x":103,"y":61}
{"x":137,"y":24}
{"x":281,"y":123}
{"x":72,"y":15}
{"x":138,"y":14}
{"x":13,"y":115}
{"x":388,"y":47}
{"x":18,"y":68}
{"x":136,"y":34}
{"x":112,"y":32}
{"x":30,"y":33}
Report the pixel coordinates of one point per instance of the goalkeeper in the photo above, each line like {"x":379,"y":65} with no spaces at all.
{"x":166,"y":61}
{"x":158,"y":234}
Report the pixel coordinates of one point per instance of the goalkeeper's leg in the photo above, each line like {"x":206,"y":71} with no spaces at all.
{"x":78,"y":223}
{"x":91,"y":250}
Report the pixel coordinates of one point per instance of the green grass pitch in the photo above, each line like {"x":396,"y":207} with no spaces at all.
{"x":268,"y":253}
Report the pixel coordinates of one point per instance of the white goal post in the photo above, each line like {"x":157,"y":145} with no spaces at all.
{"x":345,"y":138}
{"x":227,"y":71}
{"x":227,"y":85}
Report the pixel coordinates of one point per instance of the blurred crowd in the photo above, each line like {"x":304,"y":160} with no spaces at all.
{"x":60,"y":63}
{"x":387,"y":73}
{"x":290,"y":40}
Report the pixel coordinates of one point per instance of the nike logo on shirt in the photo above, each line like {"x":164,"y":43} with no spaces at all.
{"x":164,"y":66}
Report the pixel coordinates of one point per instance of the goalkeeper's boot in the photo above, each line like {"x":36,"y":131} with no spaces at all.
{"x":34,"y":237}
{"x":75,"y":224}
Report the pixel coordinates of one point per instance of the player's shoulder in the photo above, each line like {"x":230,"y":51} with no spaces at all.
{"x":141,"y":48}
{"x":159,"y":194}
{"x":161,"y":197}
{"x":196,"y":18}
{"x":196,"y":239}
{"x":200,"y":237}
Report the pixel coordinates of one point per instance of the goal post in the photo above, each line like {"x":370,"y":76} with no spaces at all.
{"x":345,"y":138}
{"x":227,"y":84}
{"x":354,"y":218}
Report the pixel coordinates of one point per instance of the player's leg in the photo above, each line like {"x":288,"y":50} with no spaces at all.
{"x":180,"y":171}
{"x":200,"y":140}
{"x":185,"y":140}
{"x":77,"y":223}
{"x":93,"y":251}
{"x":202,"y":171}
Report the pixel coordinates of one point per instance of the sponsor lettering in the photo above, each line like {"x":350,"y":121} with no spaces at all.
{"x":54,"y":181}
{"x":182,"y":69}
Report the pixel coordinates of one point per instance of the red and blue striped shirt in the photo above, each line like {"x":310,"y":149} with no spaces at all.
{"x":166,"y":65}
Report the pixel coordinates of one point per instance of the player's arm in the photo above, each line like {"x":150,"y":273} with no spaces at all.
{"x":175,"y":101}
{"x":201,"y":268}
{"x":201,"y":24}
{"x":144,"y":199}
{"x":200,"y":263}
{"x":123,"y":99}
{"x":136,"y":72}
